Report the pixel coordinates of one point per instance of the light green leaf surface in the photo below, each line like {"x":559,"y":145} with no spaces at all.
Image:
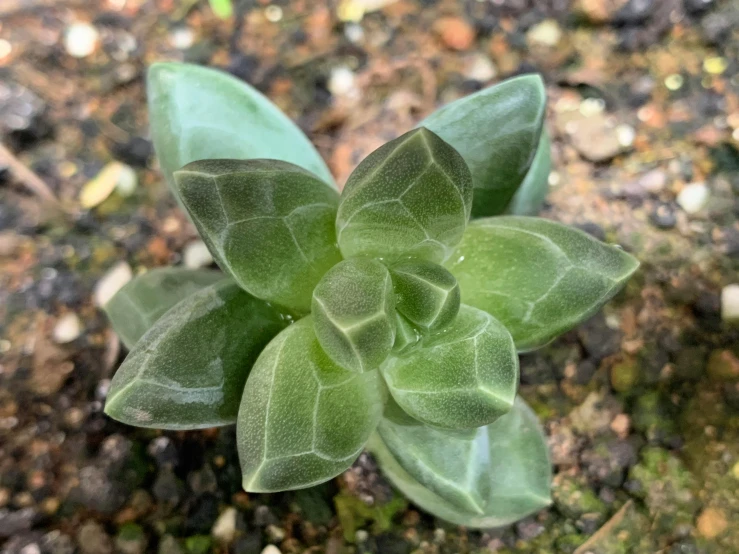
{"x":270,"y":224}
{"x":499,"y":477}
{"x":353,"y":308}
{"x":188,"y":371}
{"x":146,"y":298}
{"x":197,"y":113}
{"x":538,"y":277}
{"x":425,"y":293}
{"x":222,"y":8}
{"x":303,"y":419}
{"x":464,"y":376}
{"x":411,"y":196}
{"x":407,"y":337}
{"x":497,"y":132}
{"x":530,"y":196}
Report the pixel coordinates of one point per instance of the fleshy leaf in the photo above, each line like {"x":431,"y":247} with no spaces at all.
{"x":197,"y":113}
{"x":425,"y":293}
{"x":188,"y":371}
{"x":407,"y":336}
{"x":303,"y":419}
{"x":411,"y":196}
{"x":499,"y":477}
{"x":353,"y":309}
{"x":463,"y":377}
{"x":270,"y":224}
{"x":538,"y":277}
{"x":146,"y":298}
{"x":496,"y":130}
{"x":530,"y":196}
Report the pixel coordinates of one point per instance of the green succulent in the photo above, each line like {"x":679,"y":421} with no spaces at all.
{"x":379,"y":317}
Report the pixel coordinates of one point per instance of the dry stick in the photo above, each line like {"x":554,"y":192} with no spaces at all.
{"x":28,"y":177}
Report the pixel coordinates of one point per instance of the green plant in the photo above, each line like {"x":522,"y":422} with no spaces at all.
{"x":378,"y":317}
{"x":222,"y":8}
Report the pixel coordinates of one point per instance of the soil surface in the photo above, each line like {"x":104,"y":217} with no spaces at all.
{"x":640,"y":404}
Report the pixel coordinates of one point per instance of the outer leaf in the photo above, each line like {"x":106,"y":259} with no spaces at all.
{"x":411,"y":196}
{"x":426,"y":293}
{"x":499,"y":477}
{"x":538,"y":277}
{"x":353,"y":309}
{"x":497,"y":131}
{"x":463,"y":377}
{"x":188,"y":371}
{"x":303,"y":419}
{"x":270,"y":224}
{"x":146,"y":298}
{"x":198,"y":113}
{"x":530,"y":196}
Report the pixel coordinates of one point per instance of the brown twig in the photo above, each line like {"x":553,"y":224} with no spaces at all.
{"x":26,"y":176}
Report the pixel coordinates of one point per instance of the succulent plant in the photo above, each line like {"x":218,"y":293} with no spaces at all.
{"x":387,"y":316}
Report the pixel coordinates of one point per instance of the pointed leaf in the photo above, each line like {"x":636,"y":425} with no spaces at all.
{"x":353,"y":309}
{"x":188,"y":371}
{"x":463,"y":377}
{"x":270,"y":224}
{"x":303,"y":419}
{"x":496,"y":130}
{"x":407,"y":336}
{"x":425,"y":293}
{"x":411,"y":196}
{"x":530,"y":196}
{"x":146,"y":298}
{"x":499,"y":477}
{"x":197,"y":113}
{"x":538,"y":277}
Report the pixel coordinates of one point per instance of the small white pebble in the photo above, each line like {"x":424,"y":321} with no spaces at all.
{"x":342,"y":81}
{"x":625,"y":135}
{"x":361,"y":536}
{"x":181,"y":38}
{"x":81,"y":39}
{"x":354,"y":33}
{"x":67,"y":329}
{"x":127,"y":181}
{"x":111,"y":283}
{"x":547,"y":33}
{"x":592,"y":106}
{"x":224,"y":529}
{"x":196,"y":255}
{"x":271,"y":549}
{"x":730,"y":303}
{"x":693,"y":197}
{"x":481,"y":68}
{"x":273,"y":13}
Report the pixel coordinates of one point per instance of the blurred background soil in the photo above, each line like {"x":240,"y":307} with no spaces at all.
{"x":640,"y":404}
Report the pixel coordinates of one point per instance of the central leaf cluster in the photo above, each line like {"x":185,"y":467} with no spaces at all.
{"x":384,"y":314}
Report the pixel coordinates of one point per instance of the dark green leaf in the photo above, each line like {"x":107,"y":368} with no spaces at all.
{"x":538,"y":277}
{"x":353,"y":309}
{"x":463,"y":377}
{"x":270,"y":224}
{"x":146,"y":298}
{"x":495,"y":479}
{"x":530,"y":196}
{"x":411,"y":196}
{"x":303,"y":419}
{"x":188,"y":371}
{"x":497,"y":131}
{"x":425,"y":293}
{"x":198,"y":113}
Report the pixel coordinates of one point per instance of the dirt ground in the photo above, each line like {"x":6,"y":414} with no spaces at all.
{"x":640,"y":404}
